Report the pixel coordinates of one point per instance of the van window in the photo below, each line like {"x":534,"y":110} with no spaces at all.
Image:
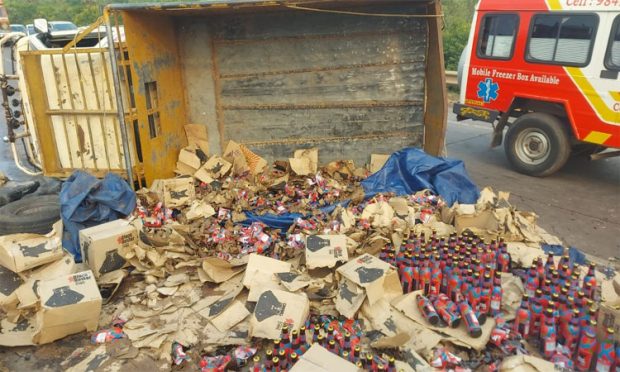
{"x":497,"y":36}
{"x":562,"y":39}
{"x":612,"y":60}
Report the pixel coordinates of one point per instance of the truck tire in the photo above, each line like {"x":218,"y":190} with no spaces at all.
{"x":34,"y":214}
{"x":537,"y":144}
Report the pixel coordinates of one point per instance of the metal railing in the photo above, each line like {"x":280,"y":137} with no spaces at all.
{"x":451,"y":79}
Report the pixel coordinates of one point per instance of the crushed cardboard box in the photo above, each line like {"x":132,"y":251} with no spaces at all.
{"x":20,"y":252}
{"x":326,"y":250}
{"x":100,"y":245}
{"x":319,"y":359}
{"x":378,"y":278}
{"x":275,"y":308}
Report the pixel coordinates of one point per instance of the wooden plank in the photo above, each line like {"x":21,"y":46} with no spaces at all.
{"x":307,"y":55}
{"x":398,"y":83}
{"x":266,"y":25}
{"x":262,"y":125}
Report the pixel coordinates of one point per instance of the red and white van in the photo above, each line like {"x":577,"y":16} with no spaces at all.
{"x":549,"y":71}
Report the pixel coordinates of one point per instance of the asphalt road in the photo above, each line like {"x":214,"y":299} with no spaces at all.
{"x":580,"y":204}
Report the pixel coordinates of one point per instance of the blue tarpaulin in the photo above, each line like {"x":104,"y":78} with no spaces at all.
{"x":86,"y":201}
{"x":406,"y":172}
{"x":410,"y":170}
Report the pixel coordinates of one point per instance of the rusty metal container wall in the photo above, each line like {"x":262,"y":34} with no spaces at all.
{"x":347,"y":84}
{"x":347,"y":79}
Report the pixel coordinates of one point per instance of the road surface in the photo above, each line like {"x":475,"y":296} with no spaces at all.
{"x":580,"y":204}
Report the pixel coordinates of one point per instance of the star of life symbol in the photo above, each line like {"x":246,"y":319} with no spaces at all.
{"x":487,"y":90}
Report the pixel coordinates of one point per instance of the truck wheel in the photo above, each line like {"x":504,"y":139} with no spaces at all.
{"x":33,"y":214}
{"x":537,"y":144}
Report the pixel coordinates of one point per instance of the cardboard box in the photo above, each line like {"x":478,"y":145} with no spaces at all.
{"x":319,"y":359}
{"x":326,"y":250}
{"x":100,"y":245}
{"x":175,"y":192}
{"x":69,"y":304}
{"x":275,"y":308}
{"x":377,"y":277}
{"x":9,"y":282}
{"x":19,"y":252}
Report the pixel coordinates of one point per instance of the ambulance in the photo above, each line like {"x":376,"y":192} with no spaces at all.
{"x":548,"y":72}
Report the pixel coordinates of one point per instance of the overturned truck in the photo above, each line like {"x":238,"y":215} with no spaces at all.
{"x":349,"y":77}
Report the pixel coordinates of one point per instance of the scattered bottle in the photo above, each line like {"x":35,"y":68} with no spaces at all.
{"x":427,"y":309}
{"x":523,"y":318}
{"x":548,"y":333}
{"x":587,"y":347}
{"x":468,"y":315}
{"x":606,"y":357}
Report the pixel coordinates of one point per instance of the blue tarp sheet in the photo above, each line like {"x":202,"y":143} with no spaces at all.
{"x":410,"y":170}
{"x":405,"y":172}
{"x":86,"y":201}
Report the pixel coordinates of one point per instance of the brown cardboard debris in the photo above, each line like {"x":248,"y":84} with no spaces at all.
{"x":65,"y":266}
{"x":524,"y":254}
{"x":326,"y":250}
{"x":408,"y":306}
{"x":175,"y":192}
{"x":234,"y":314}
{"x":293,"y":281}
{"x":9,"y":282}
{"x":109,"y":283}
{"x":377,"y":161}
{"x":395,"y":341}
{"x":263,"y":264}
{"x":380,"y":214}
{"x":525,"y":363}
{"x":219,"y":270}
{"x":69,"y":304}
{"x":188,"y":157}
{"x":319,"y":359}
{"x":243,"y":159}
{"x":197,"y":136}
{"x":262,"y":281}
{"x":216,"y":167}
{"x":199,"y":209}
{"x":377,"y":277}
{"x":482,"y":223}
{"x":349,"y":298}
{"x":305,"y":162}
{"x":512,"y":288}
{"x":275,"y":308}
{"x":100,"y":245}
{"x":19,"y":252}
{"x":16,"y":334}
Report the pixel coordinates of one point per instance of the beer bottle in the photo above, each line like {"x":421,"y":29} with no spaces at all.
{"x":548,"y":335}
{"x":606,"y":357}
{"x":522,"y":318}
{"x":587,"y":347}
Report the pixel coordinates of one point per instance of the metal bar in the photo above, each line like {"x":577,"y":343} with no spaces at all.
{"x":119,"y":98}
{"x":310,"y":37}
{"x":85,"y":104}
{"x":101,"y":120}
{"x":322,"y":69}
{"x":72,"y":107}
{"x":398,"y":134}
{"x":60,"y":51}
{"x":82,"y":34}
{"x":117,"y":141}
{"x":60,"y":104}
{"x":324,"y":105}
{"x":80,"y":112}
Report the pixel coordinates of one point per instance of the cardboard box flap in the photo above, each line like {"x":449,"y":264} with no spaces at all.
{"x":326,"y":250}
{"x":275,"y":308}
{"x":16,"y":334}
{"x":263,"y":264}
{"x":319,"y":359}
{"x":19,"y":252}
{"x":377,"y":277}
{"x":9,"y":282}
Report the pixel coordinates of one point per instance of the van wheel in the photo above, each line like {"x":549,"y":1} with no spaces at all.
{"x":537,"y":144}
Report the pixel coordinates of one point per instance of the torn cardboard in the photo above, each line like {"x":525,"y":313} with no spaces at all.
{"x":305,"y":162}
{"x":19,"y":252}
{"x":9,"y":282}
{"x":319,"y":359}
{"x":349,"y":298}
{"x":325,"y":250}
{"x":377,"y":161}
{"x":263,"y":264}
{"x":197,"y":136}
{"x":234,"y":314}
{"x":219,"y":270}
{"x":378,"y":278}
{"x":525,"y":363}
{"x":174,"y":192}
{"x":275,"y":308}
{"x":100,"y":245}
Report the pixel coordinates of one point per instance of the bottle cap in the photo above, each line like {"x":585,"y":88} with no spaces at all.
{"x":275,"y":360}
{"x":256,"y":358}
{"x":282,"y":353}
{"x":610,"y":331}
{"x":593,"y":323}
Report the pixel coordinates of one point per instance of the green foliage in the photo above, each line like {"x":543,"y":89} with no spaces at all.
{"x":458,"y":16}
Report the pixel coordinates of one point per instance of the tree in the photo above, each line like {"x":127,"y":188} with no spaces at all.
{"x":457,"y":17}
